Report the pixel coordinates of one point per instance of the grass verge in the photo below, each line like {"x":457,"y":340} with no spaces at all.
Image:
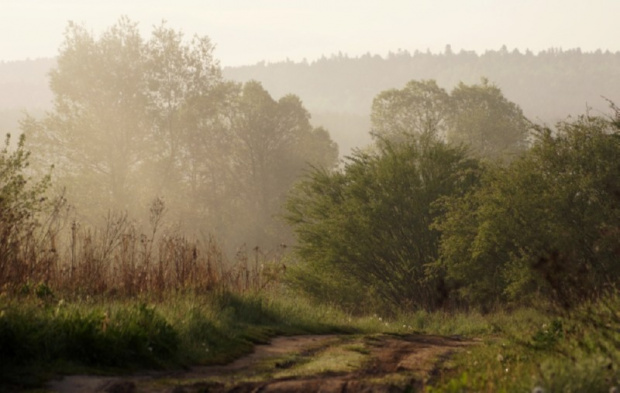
{"x":529,"y":350}
{"x":41,"y":337}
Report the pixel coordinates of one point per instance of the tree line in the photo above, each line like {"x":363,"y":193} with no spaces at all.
{"x":135,"y":119}
{"x":339,"y":89}
{"x":549,"y":85}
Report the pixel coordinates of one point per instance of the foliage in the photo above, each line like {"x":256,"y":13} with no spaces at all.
{"x":39,"y":337}
{"x":403,"y":230}
{"x":549,"y":84}
{"x":273,"y":144}
{"x":545,"y":225}
{"x":484,"y":119}
{"x":367,"y":228}
{"x":478,"y":116}
{"x":134,"y":119}
{"x":420,"y":108}
{"x":573,"y":351}
{"x":94,"y":134}
{"x":21,"y":199}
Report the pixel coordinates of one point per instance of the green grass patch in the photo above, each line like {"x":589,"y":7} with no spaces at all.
{"x":518,"y":350}
{"x":336,"y":359}
{"x":40,"y":337}
{"x":557,"y":352}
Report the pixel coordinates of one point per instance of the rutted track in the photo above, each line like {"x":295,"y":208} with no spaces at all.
{"x":371,"y":363}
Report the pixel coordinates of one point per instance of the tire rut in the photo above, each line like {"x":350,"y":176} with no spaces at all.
{"x":372,"y":363}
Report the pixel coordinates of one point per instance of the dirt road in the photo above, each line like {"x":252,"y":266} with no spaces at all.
{"x":369,"y":363}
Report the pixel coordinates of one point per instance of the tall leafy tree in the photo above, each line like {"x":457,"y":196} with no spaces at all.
{"x":485,"y":120}
{"x":134,"y":119}
{"x":207,"y":170}
{"x":97,"y":129}
{"x":182,"y":77}
{"x":478,"y":116}
{"x":420,"y":108}
{"x":276,"y":142}
{"x":120,"y":128}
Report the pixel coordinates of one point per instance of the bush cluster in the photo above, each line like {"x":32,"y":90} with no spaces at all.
{"x":419,"y":224}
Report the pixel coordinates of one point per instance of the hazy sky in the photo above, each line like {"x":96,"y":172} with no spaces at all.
{"x":248,"y":31}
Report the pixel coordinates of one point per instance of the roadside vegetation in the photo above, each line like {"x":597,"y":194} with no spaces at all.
{"x":463,"y":219}
{"x":424,"y":225}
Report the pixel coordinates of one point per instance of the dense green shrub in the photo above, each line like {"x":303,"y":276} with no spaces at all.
{"x":547,"y":225}
{"x":136,"y":335}
{"x":21,"y":199}
{"x":365,"y":231}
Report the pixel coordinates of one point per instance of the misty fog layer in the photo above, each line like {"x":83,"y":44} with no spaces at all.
{"x":136,"y":121}
{"x":338,"y":90}
{"x":223,"y":154}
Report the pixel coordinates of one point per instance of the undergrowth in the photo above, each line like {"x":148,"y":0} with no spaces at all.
{"x":40,"y":337}
{"x":517,"y":351}
{"x":572,"y":350}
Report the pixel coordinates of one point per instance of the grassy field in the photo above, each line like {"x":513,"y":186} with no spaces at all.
{"x":42,"y":335}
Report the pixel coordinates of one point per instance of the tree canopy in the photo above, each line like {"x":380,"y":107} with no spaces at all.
{"x":477,"y":116}
{"x":421,"y":107}
{"x":134,"y":119}
{"x":369,"y":225}
{"x":485,"y":120}
{"x":419,"y":222}
{"x":545,"y":225}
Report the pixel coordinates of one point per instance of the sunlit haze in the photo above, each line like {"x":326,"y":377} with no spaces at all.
{"x":249,"y":31}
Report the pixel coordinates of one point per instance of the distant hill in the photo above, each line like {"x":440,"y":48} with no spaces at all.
{"x":338,"y":91}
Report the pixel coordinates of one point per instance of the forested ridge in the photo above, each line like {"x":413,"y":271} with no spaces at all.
{"x":562,"y":80}
{"x":338,"y":90}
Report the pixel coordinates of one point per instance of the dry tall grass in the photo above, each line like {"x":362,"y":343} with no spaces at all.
{"x":119,"y":260}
